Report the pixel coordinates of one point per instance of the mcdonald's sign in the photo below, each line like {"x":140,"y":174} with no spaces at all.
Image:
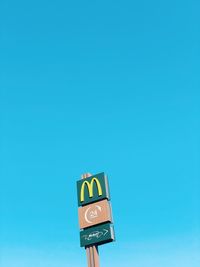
{"x":92,"y":189}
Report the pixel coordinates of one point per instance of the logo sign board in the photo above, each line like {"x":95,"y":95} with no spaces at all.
{"x":96,"y":213}
{"x":101,"y":234}
{"x":92,"y":189}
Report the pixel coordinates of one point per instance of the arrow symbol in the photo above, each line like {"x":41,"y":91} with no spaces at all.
{"x":106,"y":231}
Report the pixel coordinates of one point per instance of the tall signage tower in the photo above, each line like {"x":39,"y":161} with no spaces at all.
{"x":95,"y":216}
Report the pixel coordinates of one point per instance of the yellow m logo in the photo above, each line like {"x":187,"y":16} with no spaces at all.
{"x":90,"y":186}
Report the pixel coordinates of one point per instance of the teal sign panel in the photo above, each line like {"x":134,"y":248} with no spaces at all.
{"x":92,"y":189}
{"x":97,"y":235}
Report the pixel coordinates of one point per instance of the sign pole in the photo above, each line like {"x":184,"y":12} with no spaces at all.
{"x":96,"y":256}
{"x":88,"y":256}
{"x":92,"y":251}
{"x":92,"y":256}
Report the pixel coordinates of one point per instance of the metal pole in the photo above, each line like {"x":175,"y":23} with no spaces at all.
{"x":92,"y":251}
{"x":92,"y":257}
{"x":96,"y":256}
{"x":88,"y":256}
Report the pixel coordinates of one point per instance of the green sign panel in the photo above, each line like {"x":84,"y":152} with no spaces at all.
{"x":92,"y":189}
{"x":97,"y":235}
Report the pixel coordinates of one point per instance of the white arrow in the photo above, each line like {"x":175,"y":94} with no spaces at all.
{"x":106,"y":231}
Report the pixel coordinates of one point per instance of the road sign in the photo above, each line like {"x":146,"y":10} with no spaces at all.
{"x":92,"y":189}
{"x":97,"y":235}
{"x":96,"y":213}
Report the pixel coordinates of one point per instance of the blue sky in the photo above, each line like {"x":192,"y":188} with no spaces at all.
{"x":92,"y":86}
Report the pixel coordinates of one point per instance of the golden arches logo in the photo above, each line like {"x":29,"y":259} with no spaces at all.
{"x":90,"y":186}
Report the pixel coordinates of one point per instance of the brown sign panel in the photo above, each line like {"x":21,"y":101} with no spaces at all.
{"x":95,"y":213}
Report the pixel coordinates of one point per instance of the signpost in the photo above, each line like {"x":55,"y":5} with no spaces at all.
{"x":95,"y":215}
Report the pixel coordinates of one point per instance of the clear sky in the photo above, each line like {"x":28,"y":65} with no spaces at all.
{"x":92,"y":86}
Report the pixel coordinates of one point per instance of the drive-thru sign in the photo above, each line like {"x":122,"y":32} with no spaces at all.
{"x":100,"y":234}
{"x":95,"y":216}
